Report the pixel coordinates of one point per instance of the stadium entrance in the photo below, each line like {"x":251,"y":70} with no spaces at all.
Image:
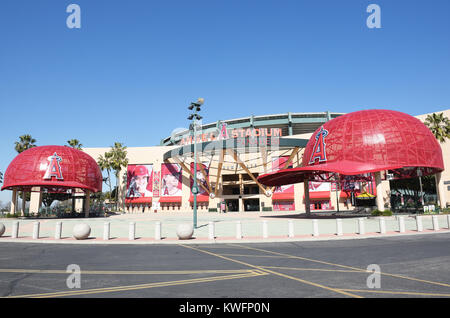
{"x":232,"y":205}
{"x":251,"y":205}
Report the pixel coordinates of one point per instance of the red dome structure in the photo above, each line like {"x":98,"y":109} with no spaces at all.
{"x":363,"y":142}
{"x":53,"y":168}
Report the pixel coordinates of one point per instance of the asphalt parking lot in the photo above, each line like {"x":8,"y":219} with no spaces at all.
{"x":411,"y":266}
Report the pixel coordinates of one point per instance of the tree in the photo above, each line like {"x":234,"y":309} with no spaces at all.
{"x":25,"y":142}
{"x":118,"y":161}
{"x":74,"y":143}
{"x":105,"y":164}
{"x":439,"y":126}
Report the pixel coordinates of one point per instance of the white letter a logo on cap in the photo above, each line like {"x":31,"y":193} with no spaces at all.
{"x":54,"y":169}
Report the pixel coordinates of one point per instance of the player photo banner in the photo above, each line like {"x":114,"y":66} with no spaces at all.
{"x":139,"y":181}
{"x":319,"y":186}
{"x":171,"y":180}
{"x":278,"y":164}
{"x":200,"y":178}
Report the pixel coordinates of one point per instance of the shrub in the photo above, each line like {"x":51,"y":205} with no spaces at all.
{"x":445,"y":211}
{"x":381,"y":213}
{"x":9,"y":215}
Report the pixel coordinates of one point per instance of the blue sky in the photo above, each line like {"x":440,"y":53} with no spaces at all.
{"x":134,"y":66}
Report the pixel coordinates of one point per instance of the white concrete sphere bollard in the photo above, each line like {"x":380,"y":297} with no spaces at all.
{"x":2,"y":229}
{"x":185,"y":231}
{"x":81,"y":231}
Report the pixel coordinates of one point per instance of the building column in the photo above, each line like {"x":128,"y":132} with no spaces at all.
{"x":241,"y":193}
{"x":13,"y":202}
{"x":379,"y":198}
{"x":440,"y":189}
{"x":78,"y":202}
{"x":24,"y":202}
{"x":35,"y":201}
{"x":87,"y":204}
{"x":307,"y":204}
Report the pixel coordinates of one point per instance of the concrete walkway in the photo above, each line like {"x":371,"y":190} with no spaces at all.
{"x":255,"y":227}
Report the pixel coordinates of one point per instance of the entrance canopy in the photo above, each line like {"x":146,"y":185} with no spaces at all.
{"x":58,"y":169}
{"x":239,"y":153}
{"x":354,"y":145}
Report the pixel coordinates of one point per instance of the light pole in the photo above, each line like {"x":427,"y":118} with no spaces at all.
{"x":419,"y":174}
{"x":337,"y":195}
{"x":194,"y":117}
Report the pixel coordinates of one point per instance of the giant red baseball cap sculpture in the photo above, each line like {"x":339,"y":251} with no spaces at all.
{"x":53,"y":168}
{"x":363,"y":142}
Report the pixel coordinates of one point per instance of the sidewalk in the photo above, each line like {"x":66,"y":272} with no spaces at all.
{"x":277,"y":228}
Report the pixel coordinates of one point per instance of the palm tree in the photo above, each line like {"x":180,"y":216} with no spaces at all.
{"x":118,"y":161}
{"x":105,"y":164}
{"x":439,"y":126}
{"x":25,"y":142}
{"x":74,"y":143}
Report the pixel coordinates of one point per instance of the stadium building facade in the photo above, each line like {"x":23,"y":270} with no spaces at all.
{"x":231,"y":154}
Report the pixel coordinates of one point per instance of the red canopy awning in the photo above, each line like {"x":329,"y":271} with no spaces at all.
{"x":200,"y":198}
{"x":318,"y":195}
{"x":139,"y":200}
{"x":170,"y":199}
{"x":283,"y":196}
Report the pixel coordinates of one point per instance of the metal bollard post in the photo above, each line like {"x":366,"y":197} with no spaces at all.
{"x":448,"y":221}
{"x":212,"y":235}
{"x":382,"y":225}
{"x":419,"y":223}
{"x":15,"y":229}
{"x":401,"y":224}
{"x":315,"y":225}
{"x":361,"y":229}
{"x":238,"y":230}
{"x":291,"y":228}
{"x":36,"y":230}
{"x":435,"y":220}
{"x":265,"y":231}
{"x":158,"y":230}
{"x":106,"y":231}
{"x":339,"y":227}
{"x":132,"y":231}
{"x":58,"y":230}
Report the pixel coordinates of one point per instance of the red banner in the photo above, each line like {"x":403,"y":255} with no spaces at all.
{"x":200,"y":178}
{"x":171,"y":180}
{"x":139,"y":181}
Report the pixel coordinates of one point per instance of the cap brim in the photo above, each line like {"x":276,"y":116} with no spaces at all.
{"x":296,"y":175}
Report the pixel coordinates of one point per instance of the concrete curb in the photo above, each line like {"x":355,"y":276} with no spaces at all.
{"x":172,"y":241}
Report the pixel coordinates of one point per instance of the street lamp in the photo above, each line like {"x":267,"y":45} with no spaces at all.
{"x":419,"y":174}
{"x":195,"y":107}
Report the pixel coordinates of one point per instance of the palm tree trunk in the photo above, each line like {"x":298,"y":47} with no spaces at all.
{"x":117,"y":191}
